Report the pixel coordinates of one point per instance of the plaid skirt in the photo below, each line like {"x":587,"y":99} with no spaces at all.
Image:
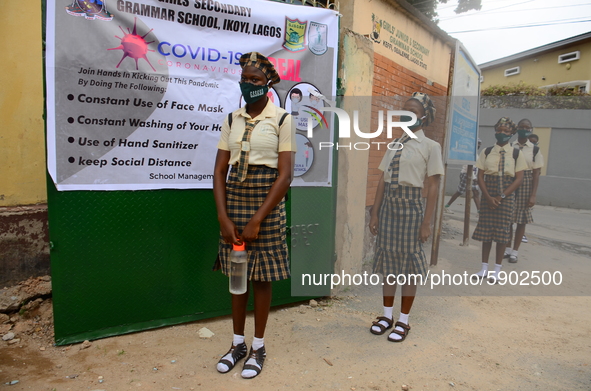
{"x":268,"y":258}
{"x":494,"y":225}
{"x":462,"y":185}
{"x":398,"y":248}
{"x":522,"y":213}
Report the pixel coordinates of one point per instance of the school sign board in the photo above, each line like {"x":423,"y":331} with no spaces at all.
{"x":137,"y":91}
{"x":463,"y":109}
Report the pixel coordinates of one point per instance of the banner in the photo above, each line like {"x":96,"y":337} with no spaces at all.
{"x":137,"y":91}
{"x":464,"y":109}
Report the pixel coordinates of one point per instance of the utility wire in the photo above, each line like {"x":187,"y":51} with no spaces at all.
{"x":517,"y":27}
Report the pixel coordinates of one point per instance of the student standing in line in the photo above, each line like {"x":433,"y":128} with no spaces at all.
{"x":525,"y":195}
{"x":500,"y":172}
{"x":397,"y":215}
{"x":258,"y":141}
{"x":534,"y":139}
{"x":462,"y":187}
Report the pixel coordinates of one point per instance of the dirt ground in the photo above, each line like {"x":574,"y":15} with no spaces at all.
{"x":473,"y":338}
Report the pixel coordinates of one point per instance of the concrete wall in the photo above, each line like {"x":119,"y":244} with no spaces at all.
{"x":356,"y":76}
{"x":24,"y":247}
{"x":22,"y":141}
{"x":567,"y":179}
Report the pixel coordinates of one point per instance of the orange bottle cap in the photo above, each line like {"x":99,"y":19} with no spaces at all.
{"x":239,"y":247}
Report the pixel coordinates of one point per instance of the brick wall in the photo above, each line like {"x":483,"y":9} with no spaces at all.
{"x":392,"y":86}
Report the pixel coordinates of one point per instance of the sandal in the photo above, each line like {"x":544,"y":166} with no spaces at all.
{"x":259,"y":356}
{"x":403,"y":334}
{"x":381,"y":326}
{"x":238,"y":352}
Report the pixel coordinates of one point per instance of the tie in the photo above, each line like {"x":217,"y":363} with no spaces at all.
{"x":394,"y":167}
{"x":501,"y":170}
{"x":244,"y":152}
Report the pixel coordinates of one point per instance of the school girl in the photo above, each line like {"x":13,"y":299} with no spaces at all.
{"x":500,"y":172}
{"x":525,"y":195}
{"x":259,"y":144}
{"x":397,"y":216}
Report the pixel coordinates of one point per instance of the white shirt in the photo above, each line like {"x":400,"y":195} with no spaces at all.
{"x":266,"y":140}
{"x":419,"y":158}
{"x":490,"y":163}
{"x":528,"y":154}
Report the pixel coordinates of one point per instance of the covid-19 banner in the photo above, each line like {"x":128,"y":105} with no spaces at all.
{"x":137,"y":91}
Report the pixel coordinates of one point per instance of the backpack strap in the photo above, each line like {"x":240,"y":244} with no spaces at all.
{"x":487,"y":151}
{"x":230,"y":119}
{"x":515,"y":154}
{"x":536,"y":150}
{"x":282,"y":119}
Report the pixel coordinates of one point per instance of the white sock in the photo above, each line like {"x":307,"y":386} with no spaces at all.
{"x":495,"y":275}
{"x":483,"y":271}
{"x":403,"y":319}
{"x":237,"y":340}
{"x":514,"y":253}
{"x":508,"y":251}
{"x":388,"y":314}
{"x":257,"y":343}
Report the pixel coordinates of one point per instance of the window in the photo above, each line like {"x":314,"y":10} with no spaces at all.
{"x":512,"y":71}
{"x":572,"y":56}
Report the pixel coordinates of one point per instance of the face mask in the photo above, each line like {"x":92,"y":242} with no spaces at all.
{"x":502,"y":138}
{"x":251,"y":93}
{"x":418,"y":124}
{"x":523,"y":133}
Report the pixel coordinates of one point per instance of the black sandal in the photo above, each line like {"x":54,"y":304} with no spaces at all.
{"x":381,"y":326}
{"x":403,"y":334}
{"x":238,"y":352}
{"x":259,"y":356}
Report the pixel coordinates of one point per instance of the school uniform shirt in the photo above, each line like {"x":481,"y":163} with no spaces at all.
{"x":266,"y":140}
{"x":490,"y":163}
{"x":419,"y":156}
{"x":528,"y":153}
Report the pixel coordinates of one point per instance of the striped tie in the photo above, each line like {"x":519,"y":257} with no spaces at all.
{"x":501,"y":170}
{"x":394,"y":168}
{"x":245,"y":150}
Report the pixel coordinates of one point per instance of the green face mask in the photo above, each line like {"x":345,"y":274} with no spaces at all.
{"x":407,"y":118}
{"x":523,"y":132}
{"x":252,"y":93}
{"x":503,"y":138}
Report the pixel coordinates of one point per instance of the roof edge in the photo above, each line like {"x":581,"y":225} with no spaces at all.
{"x":537,"y":50}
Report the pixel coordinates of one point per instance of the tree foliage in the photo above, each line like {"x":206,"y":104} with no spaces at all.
{"x":429,"y":7}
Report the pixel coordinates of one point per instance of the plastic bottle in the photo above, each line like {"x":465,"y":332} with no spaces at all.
{"x":238,"y":269}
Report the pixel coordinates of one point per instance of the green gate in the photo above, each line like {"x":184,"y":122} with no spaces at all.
{"x":123,"y":261}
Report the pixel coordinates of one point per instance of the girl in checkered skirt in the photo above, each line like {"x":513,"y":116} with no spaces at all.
{"x":258,"y":141}
{"x":525,"y":195}
{"x":397,"y":214}
{"x":500,"y":172}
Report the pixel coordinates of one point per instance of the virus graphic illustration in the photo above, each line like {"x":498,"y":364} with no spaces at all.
{"x":134,"y":46}
{"x":90,"y":9}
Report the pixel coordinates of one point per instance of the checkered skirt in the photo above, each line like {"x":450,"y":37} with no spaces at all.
{"x":398,"y":248}
{"x":522,"y":213}
{"x":268,"y":258}
{"x":462,"y":184}
{"x":494,"y":225}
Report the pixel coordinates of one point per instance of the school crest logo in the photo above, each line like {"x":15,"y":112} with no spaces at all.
{"x":376,"y":28}
{"x":318,"y":38}
{"x":90,"y":9}
{"x":295,"y":35}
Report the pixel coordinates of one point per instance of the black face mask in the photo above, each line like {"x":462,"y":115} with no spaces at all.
{"x":418,"y":124}
{"x":252,"y":93}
